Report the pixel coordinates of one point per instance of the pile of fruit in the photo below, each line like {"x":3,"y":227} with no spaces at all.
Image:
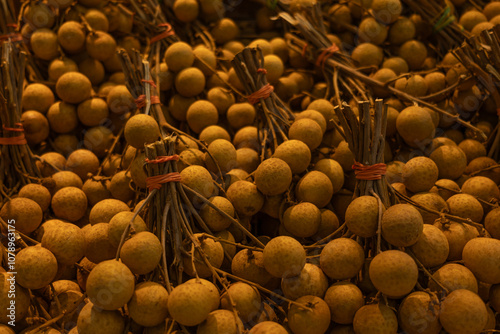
{"x":260,"y":167}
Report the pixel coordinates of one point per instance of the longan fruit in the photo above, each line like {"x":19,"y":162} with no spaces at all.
{"x":314,"y":187}
{"x":26,"y":213}
{"x":463,"y":311}
{"x":120,"y":101}
{"x":212,"y":251}
{"x":249,"y":265}
{"x":186,"y":10}
{"x":302,"y":220}
{"x":221,"y":99}
{"x":367,"y":54}
{"x":342,"y":258}
{"x":414,"y":53}
{"x":82,"y":162}
{"x":93,"y":70}
{"x":246,"y":298}
{"x":453,"y":276}
{"x":179,"y":56}
{"x":284,"y":257}
{"x":190,"y":82}
{"x":97,"y":20}
{"x":307,"y":131}
{"x":397,"y":64}
{"x":105,"y":210}
{"x":189,"y":303}
{"x":141,"y":129}
{"x":36,"y":267}
{"x":326,"y":109}
{"x":71,"y":37}
{"x":415,"y":125}
{"x":247,"y":159}
{"x":295,"y":153}
{"x":480,"y":255}
{"x":62,"y":117}
{"x":370,"y":31}
{"x":73,"y":87}
{"x":420,"y":174}
{"x":97,"y":245}
{"x":220,"y":320}
{"x":471,"y":18}
{"x":36,"y":127}
{"x":315,"y":320}
{"x":386,"y":11}
{"x":93,"y":319}
{"x":37,"y":97}
{"x":69,"y":203}
{"x":92,"y":112}
{"x":60,"y":66}
{"x":245,"y":197}
{"x":100,"y":45}
{"x":66,"y":241}
{"x":344,"y":299}
{"x":417,"y":310}
{"x":402,"y":30}
{"x":273,"y":177}
{"x":141,"y":253}
{"x":465,"y":206}
{"x":44,"y":44}
{"x":201,"y":114}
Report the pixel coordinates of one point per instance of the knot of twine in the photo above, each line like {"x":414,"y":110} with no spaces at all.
{"x":369,"y":172}
{"x":18,"y":140}
{"x":155,"y":182}
{"x":166,"y":33}
{"x":325,"y":54}
{"x":141,"y":102}
{"x":262,"y":93}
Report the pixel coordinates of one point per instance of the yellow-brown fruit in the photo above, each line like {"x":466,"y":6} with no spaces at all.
{"x":295,"y":153}
{"x":311,"y":281}
{"x":463,"y":311}
{"x":165,"y":80}
{"x":249,"y":265}
{"x":478,"y":165}
{"x":62,"y":117}
{"x":189,"y":303}
{"x":372,"y":316}
{"x":263,"y":44}
{"x":472,"y":149}
{"x":367,"y":54}
{"x":326,"y":109}
{"x":44,"y":44}
{"x":26,"y":213}
{"x":225,"y":30}
{"x":313,"y":115}
{"x":141,"y":129}
{"x":93,"y":70}
{"x":214,"y":220}
{"x":179,"y":56}
{"x":71,"y":37}
{"x":66,"y":179}
{"x":436,"y":82}
{"x":482,"y":188}
{"x":186,"y":10}
{"x":401,"y":31}
{"x":66,"y":241}
{"x":420,"y":174}
{"x":268,"y":327}
{"x":414,"y":85}
{"x":73,"y":87}
{"x":402,"y":225}
{"x":370,"y":31}
{"x":205,"y":60}
{"x":60,"y":66}
{"x":394,"y":273}
{"x":303,"y":321}
{"x":220,"y":321}
{"x":100,"y":45}
{"x":414,"y":53}
{"x":190,"y":82}
{"x":284,"y":257}
{"x":110,"y":285}
{"x":245,"y":197}
{"x":274,"y":67}
{"x":458,"y":235}
{"x":240,"y":115}
{"x":36,"y":267}
{"x":82,"y":162}
{"x":178,"y":106}
{"x":342,"y":258}
{"x":106,"y":209}
{"x":142,"y":253}
{"x":212,"y":288}
{"x":224,"y":154}
{"x":432,"y":248}
{"x":201,"y":114}
{"x":120,"y":101}
{"x":97,"y":20}
{"x":344,"y":299}
{"x":386,"y":11}
{"x":198,"y":179}
{"x":36,"y":126}
{"x":361,"y":216}
{"x":419,"y":314}
{"x":148,"y":305}
{"x":119,"y":222}
{"x":221,"y":99}
{"x":397,"y":64}
{"x":481,"y":256}
{"x":338,"y":14}
{"x":273,"y":177}
{"x":37,"y":97}
{"x":465,"y":206}
{"x":453,"y":276}
{"x":246,"y":299}
{"x":97,"y":245}
{"x":51,"y":159}
{"x":451,"y":161}
{"x":214,"y":132}
{"x":302,"y":220}
{"x":69,"y":203}
{"x":314,"y":187}
{"x":37,"y":193}
{"x":415,"y":125}
{"x":470,"y":19}
{"x":212,"y":251}
{"x":383,"y":75}
{"x":92,"y":112}
{"x":329,"y":224}
{"x":492,"y":223}
{"x":432,"y":201}
{"x":247,"y":159}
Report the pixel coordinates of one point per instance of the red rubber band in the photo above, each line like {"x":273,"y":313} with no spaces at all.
{"x":151,"y":82}
{"x":262,"y":93}
{"x":140,"y":102}
{"x":262,"y":70}
{"x":155,"y":182}
{"x":325,"y":54}
{"x":369,"y":172}
{"x":167,"y":33}
{"x":162,"y":159}
{"x":13,"y":36}
{"x":304,"y":49}
{"x":17,"y":140}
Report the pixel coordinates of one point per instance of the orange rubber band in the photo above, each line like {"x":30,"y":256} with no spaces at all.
{"x":262,"y":93}
{"x":304,"y":49}
{"x":151,"y":82}
{"x":155,"y":182}
{"x":13,"y":36}
{"x":140,"y":102}
{"x":167,"y":33}
{"x":325,"y":54}
{"x":262,"y":70}
{"x":369,"y":172}
{"x":162,"y":159}
{"x":17,"y":140}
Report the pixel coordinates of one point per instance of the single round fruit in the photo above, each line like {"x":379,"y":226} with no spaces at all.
{"x":273,"y":177}
{"x":342,"y":259}
{"x":482,"y":257}
{"x":316,"y":320}
{"x":420,"y":174}
{"x":375,"y":316}
{"x":36,"y":267}
{"x":402,"y":225}
{"x":295,"y":153}
{"x":148,"y":305}
{"x":453,"y":276}
{"x":69,"y":203}
{"x":314,"y":187}
{"x":93,"y":319}
{"x":463,"y":311}
{"x":419,"y":313}
{"x":141,"y":129}
{"x":284,"y":257}
{"x":311,"y":281}
{"x":66,"y":241}
{"x":189,"y":303}
{"x":73,"y":87}
{"x":141,"y":253}
{"x":361,"y":216}
{"x":26,"y":213}
{"x":344,"y":299}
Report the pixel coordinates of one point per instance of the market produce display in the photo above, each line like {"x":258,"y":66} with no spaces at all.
{"x":260,"y":167}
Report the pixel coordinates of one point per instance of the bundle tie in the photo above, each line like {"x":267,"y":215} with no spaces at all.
{"x":140,"y":102}
{"x":166,"y":33}
{"x":304,"y":49}
{"x":18,"y":140}
{"x":13,"y":36}
{"x":162,"y":159}
{"x":262,"y":93}
{"x":262,"y":70}
{"x":325,"y":54}
{"x":155,"y":182}
{"x":369,"y":172}
{"x":445,"y":19}
{"x":151,"y":82}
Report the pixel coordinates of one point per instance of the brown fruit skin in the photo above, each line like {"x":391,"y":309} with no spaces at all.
{"x":214,"y":220}
{"x":415,"y":125}
{"x":148,"y":305}
{"x":420,"y":174}
{"x":26,"y":213}
{"x":93,"y":319}
{"x":141,"y":129}
{"x":36,"y":126}
{"x":402,"y":225}
{"x":463,"y":311}
{"x":100,"y":45}
{"x":342,"y":258}
{"x":344,"y":299}
{"x":453,"y":276}
{"x":302,"y":220}
{"x":307,"y":131}
{"x":21,"y":298}
{"x":481,"y":256}
{"x":37,"y":193}
{"x":314,"y":187}
{"x":367,"y":54}
{"x":268,"y":327}
{"x":361,"y":216}
{"x":73,"y":87}
{"x":375,"y":319}
{"x":419,"y":314}
{"x":432,"y":247}
{"x":432,"y":201}
{"x":37,"y":97}
{"x":110,"y":285}
{"x":212,"y":250}
{"x":284,"y":257}
{"x":273,"y":177}
{"x":246,"y":298}
{"x":97,"y":245}
{"x":311,"y":281}
{"x":245,"y":197}
{"x":492,"y":223}
{"x":303,"y":321}
{"x":224,"y":154}
{"x":394,"y":273}
{"x":249,"y":265}
{"x":451,"y":161}
{"x":458,"y":235}
{"x":69,"y":203}
{"x":142,"y":253}
{"x":66,"y":241}
{"x":36,"y":267}
{"x":106,"y":209}
{"x":189,"y":303}
{"x":465,"y":206}
{"x":220,"y":321}
{"x":82,"y":162}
